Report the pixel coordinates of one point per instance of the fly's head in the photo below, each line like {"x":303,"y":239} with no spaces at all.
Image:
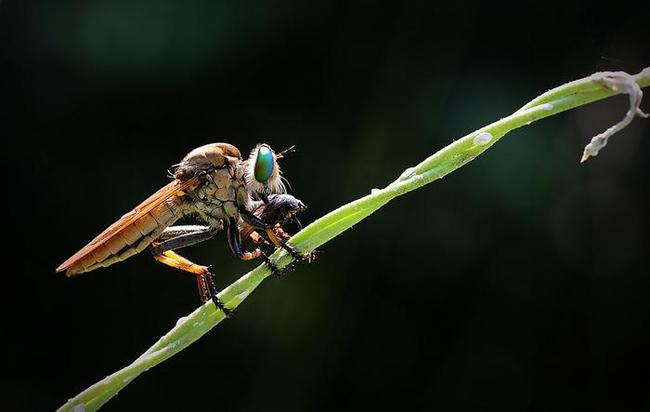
{"x":263,"y":176}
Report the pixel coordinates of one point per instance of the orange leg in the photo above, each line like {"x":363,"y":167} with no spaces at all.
{"x":279,"y":232}
{"x":204,"y":278}
{"x":250,"y":255}
{"x":173,"y":259}
{"x":257,"y":238}
{"x":177,"y":261}
{"x":270,"y":230}
{"x":274,"y":238}
{"x":234,"y":241}
{"x":279,"y":237}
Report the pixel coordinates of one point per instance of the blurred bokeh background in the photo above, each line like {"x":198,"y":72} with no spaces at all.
{"x":519,"y":282}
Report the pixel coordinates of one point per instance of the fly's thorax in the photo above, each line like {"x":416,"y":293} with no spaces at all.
{"x":221,"y":194}
{"x":206,"y":158}
{"x":242,"y":191}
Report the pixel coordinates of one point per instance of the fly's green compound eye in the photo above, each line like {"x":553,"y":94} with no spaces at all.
{"x":264,"y":164}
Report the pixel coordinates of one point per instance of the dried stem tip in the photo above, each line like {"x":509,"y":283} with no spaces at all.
{"x":618,"y":82}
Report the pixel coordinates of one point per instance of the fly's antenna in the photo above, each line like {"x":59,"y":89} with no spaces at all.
{"x":286,"y":151}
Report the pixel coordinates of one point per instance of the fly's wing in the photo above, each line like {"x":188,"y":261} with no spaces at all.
{"x":79,"y":261}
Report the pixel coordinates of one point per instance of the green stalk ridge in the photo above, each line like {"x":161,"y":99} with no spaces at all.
{"x":190,"y":328}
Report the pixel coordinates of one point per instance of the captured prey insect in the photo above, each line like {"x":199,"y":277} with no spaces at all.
{"x":214,"y":183}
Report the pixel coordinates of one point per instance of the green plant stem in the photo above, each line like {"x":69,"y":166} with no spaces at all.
{"x":446,"y":160}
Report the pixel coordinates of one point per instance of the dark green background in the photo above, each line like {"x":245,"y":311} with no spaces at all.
{"x":519,"y":282}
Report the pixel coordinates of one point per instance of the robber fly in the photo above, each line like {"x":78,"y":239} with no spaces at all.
{"x":224,"y":191}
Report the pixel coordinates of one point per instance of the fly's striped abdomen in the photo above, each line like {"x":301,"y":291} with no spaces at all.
{"x":132,"y":239}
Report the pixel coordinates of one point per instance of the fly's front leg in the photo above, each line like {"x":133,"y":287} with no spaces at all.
{"x":177,"y":237}
{"x":264,"y":198}
{"x":284,"y":236}
{"x":234,"y":241}
{"x":258,"y":223}
{"x":279,"y":232}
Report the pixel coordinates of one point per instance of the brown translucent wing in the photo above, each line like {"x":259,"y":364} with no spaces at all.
{"x":172,"y":189}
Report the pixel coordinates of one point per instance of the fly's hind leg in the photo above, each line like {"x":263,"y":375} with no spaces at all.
{"x":177,"y":261}
{"x":177,"y":237}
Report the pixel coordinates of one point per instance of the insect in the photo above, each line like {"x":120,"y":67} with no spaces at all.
{"x":225,"y":191}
